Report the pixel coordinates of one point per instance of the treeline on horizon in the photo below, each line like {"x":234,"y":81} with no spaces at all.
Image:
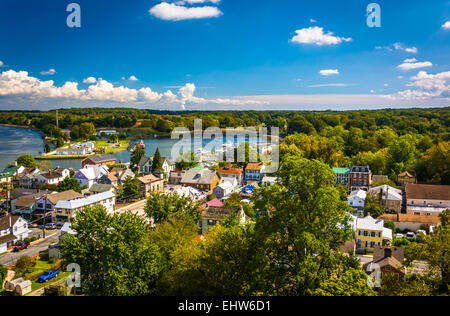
{"x":390,"y":141}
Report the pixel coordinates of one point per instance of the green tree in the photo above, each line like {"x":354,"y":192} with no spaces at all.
{"x":351,"y":283}
{"x":161,"y":208}
{"x":3,"y":273}
{"x":136,"y":156}
{"x":69,"y":184}
{"x":86,"y":130}
{"x":113,"y":252}
{"x":59,"y":142}
{"x":157,"y":161}
{"x":24,"y":265}
{"x":131,"y":188}
{"x":27,"y":161}
{"x":47,"y":148}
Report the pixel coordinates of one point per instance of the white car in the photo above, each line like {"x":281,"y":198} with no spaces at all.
{"x":410,"y":235}
{"x":420,"y":231}
{"x":399,"y":236}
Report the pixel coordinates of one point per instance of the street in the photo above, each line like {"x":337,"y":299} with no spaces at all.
{"x":135,"y":208}
{"x":11,"y":258}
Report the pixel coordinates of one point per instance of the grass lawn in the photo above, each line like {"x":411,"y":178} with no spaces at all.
{"x":62,"y":275}
{"x":40,"y":266}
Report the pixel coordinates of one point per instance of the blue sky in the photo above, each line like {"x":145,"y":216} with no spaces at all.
{"x":224,"y":54}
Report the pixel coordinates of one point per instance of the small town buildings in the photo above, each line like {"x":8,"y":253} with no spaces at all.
{"x":357,"y":199}
{"x":19,"y":286}
{"x":390,"y":197}
{"x":99,"y":160}
{"x":342,"y":176}
{"x":47,"y":203}
{"x":387,"y":260}
{"x":26,"y":178}
{"x":106,"y":133}
{"x":188,"y":192}
{"x":204,"y":179}
{"x":175,"y":177}
{"x":360,"y":178}
{"x":90,"y":174}
{"x":150,"y":184}
{"x":100,"y":188}
{"x":12,"y":229}
{"x":232,"y":173}
{"x":116,"y":176}
{"x":146,"y":166}
{"x":51,"y":177}
{"x":11,"y":172}
{"x":211,"y":216}
{"x":65,"y":210}
{"x":254,"y":171}
{"x":370,"y":232}
{"x":225,"y":188}
{"x":75,"y":150}
{"x":425,"y":199}
{"x":404,"y":178}
{"x":24,"y":206}
{"x":213,"y":203}
{"x":412,"y":222}
{"x":269,"y":181}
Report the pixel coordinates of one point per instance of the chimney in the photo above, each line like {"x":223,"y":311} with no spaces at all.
{"x":10,"y":221}
{"x":387,"y":252}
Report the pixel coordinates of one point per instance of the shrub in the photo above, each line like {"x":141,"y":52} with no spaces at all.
{"x":3,"y":273}
{"x":24,"y":265}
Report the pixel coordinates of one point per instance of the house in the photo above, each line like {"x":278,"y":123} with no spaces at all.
{"x":232,"y":173}
{"x":342,"y":177}
{"x":20,"y":286}
{"x":100,"y":188}
{"x":360,"y":178}
{"x":357,"y":199}
{"x":107,"y":133}
{"x":269,"y":181}
{"x":253,"y":172}
{"x":167,"y":167}
{"x":11,"y":172}
{"x":90,"y":174}
{"x":225,"y":188}
{"x":211,"y":216}
{"x":188,"y":192}
{"x":425,"y":199}
{"x":370,"y":232}
{"x":116,"y":176}
{"x":387,"y":260}
{"x":150,"y":184}
{"x":47,"y":203}
{"x":176,"y":177}
{"x":404,"y":178}
{"x":26,"y":179}
{"x":205,"y":179}
{"x":145,"y":165}
{"x":391,"y":198}
{"x":73,"y":151}
{"x":65,"y":210}
{"x":12,"y":229}
{"x":24,"y":206}
{"x":51,"y":177}
{"x":213,"y":203}
{"x":412,"y":222}
{"x":99,"y":160}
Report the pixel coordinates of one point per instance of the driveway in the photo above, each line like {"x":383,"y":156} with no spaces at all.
{"x":11,"y":258}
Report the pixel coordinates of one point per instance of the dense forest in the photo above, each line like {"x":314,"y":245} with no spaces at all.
{"x":390,"y":141}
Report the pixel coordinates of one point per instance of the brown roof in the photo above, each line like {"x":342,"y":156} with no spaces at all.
{"x":427,"y":192}
{"x":25,"y":201}
{"x":149,"y":179}
{"x":227,"y":170}
{"x":254,"y":166}
{"x":63,"y":196}
{"x":7,"y":238}
{"x":386,"y":261}
{"x":401,"y":218}
{"x":4,"y":221}
{"x":406,"y":174}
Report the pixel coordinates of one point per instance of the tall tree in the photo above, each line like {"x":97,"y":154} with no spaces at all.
{"x":113,"y":252}
{"x":157,"y":161}
{"x":69,"y":184}
{"x":26,"y":160}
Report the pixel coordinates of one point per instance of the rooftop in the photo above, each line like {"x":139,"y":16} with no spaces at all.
{"x":427,"y":192}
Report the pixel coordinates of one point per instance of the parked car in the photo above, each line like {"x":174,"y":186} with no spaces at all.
{"x":48,"y":275}
{"x":399,"y":236}
{"x":21,"y":246}
{"x":420,"y":231}
{"x":50,"y":226}
{"x":410,"y":235}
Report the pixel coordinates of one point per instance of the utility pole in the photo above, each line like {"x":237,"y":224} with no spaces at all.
{"x":45,"y":215}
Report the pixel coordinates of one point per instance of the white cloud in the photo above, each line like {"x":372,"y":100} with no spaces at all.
{"x":133,"y":78}
{"x":312,"y":21}
{"x":446,"y":25}
{"x":49,"y":72}
{"x":22,"y":86}
{"x":176,"y":12}
{"x":331,"y":85}
{"x":399,"y":77}
{"x":90,"y":80}
{"x":328,"y":72}
{"x":2,"y":64}
{"x":413,"y":64}
{"x":428,"y":86}
{"x":400,"y":46}
{"x":316,"y":36}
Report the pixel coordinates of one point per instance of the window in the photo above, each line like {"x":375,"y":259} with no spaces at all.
{"x":372,"y":234}
{"x":388,"y":268}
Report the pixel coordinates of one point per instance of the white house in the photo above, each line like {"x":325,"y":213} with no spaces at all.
{"x":65,"y":211}
{"x":12,"y":229}
{"x":225,"y":188}
{"x":90,"y":174}
{"x":52,"y":177}
{"x":269,"y":181}
{"x":357,"y":199}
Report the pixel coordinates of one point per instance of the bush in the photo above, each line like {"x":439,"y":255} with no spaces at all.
{"x":33,"y":239}
{"x":28,"y":239}
{"x":24,"y":265}
{"x":3,"y":273}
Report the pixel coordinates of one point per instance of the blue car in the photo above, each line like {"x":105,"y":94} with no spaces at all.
{"x":48,"y":275}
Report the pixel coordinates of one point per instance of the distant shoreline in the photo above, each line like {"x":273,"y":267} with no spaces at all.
{"x":25,"y":127}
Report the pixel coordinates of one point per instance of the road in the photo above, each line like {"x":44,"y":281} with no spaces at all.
{"x":135,"y":208}
{"x":11,"y":258}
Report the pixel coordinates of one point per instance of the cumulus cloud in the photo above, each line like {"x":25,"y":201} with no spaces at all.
{"x":316,"y":36}
{"x":133,"y":78}
{"x":446,"y":25}
{"x":331,"y":85}
{"x":427,"y":86}
{"x":90,"y":80}
{"x":21,"y":85}
{"x":178,"y":11}
{"x":409,"y":64}
{"x":329,"y":72}
{"x":400,"y":46}
{"x":49,"y":72}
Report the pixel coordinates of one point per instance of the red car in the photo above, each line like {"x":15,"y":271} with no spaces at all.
{"x":21,"y":246}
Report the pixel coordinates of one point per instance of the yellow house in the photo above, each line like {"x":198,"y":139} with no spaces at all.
{"x":370,"y":232}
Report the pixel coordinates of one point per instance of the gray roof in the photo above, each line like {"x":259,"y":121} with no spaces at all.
{"x":102,"y":158}
{"x":99,"y":188}
{"x":204,"y":176}
{"x":144,"y":161}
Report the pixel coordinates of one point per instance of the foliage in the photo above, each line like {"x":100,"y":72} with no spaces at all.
{"x":408,"y":285}
{"x":24,"y":265}
{"x":161,"y":208}
{"x":373,"y":206}
{"x":3,"y":274}
{"x":351,"y":283}
{"x":113,"y":252}
{"x":131,"y":188}
{"x":69,"y":184}
{"x":136,"y":156}
{"x":27,"y":161}
{"x":157,"y":161}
